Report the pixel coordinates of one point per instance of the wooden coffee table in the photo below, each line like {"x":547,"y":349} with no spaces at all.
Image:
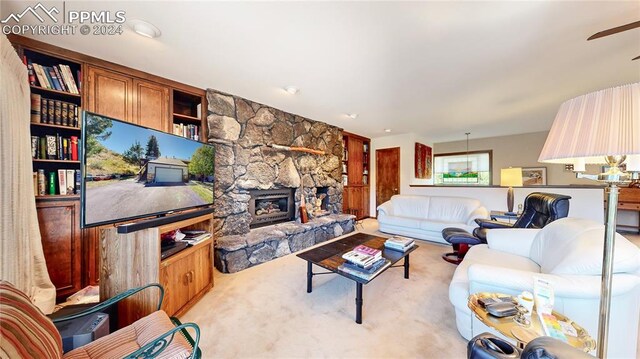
{"x":329,"y":256}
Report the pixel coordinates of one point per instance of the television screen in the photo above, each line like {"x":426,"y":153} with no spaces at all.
{"x":130,"y":171}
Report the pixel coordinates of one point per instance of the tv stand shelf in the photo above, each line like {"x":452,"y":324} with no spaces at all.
{"x":131,"y":260}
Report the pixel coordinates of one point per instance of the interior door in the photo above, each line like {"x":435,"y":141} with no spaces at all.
{"x":387,"y":174}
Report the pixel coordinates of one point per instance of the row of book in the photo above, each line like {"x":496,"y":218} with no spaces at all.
{"x":56,"y":77}
{"x":54,"y":147}
{"x":53,"y":112}
{"x":188,"y":131}
{"x":364,"y":262}
{"x":61,"y":182}
{"x":401,"y":244}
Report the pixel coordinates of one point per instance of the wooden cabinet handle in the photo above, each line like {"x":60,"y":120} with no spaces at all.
{"x":192,"y":274}
{"x":186,"y":278}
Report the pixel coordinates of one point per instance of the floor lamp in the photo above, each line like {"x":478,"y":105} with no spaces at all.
{"x":599,"y":127}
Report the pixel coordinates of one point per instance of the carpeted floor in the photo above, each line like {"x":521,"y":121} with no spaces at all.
{"x":265,"y":312}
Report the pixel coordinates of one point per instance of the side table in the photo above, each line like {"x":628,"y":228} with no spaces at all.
{"x":524,"y":334}
{"x":503,"y":216}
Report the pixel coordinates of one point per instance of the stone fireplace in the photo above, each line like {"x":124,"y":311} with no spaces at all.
{"x":249,"y":139}
{"x":271,"y":206}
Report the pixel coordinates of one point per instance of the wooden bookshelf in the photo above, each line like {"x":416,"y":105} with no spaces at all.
{"x":187,"y":114}
{"x":42,"y":90}
{"x":356,"y":159}
{"x":73,"y":128}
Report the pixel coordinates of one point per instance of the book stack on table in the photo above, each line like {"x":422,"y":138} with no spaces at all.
{"x":364,"y":262}
{"x":401,"y":244}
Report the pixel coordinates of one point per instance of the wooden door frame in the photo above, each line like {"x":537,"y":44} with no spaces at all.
{"x":377,"y":170}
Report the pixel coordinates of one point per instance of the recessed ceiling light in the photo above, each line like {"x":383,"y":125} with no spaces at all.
{"x":387,"y":130}
{"x":144,"y":28}
{"x":292,"y":89}
{"x":352,"y":115}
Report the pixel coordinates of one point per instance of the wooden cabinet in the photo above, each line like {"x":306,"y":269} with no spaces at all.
{"x":185,"y":276}
{"x":355,"y":176}
{"x":151,"y":105}
{"x":134,"y":259}
{"x":126,"y":98}
{"x":110,"y":93}
{"x":59,"y":219}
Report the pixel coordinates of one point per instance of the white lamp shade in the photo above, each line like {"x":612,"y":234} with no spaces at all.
{"x":511,"y":177}
{"x":595,"y":125}
{"x":633,"y":163}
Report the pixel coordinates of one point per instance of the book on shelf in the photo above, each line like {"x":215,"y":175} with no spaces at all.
{"x":52,"y":147}
{"x":62,"y":182}
{"x":50,"y":111}
{"x":55,"y":147}
{"x":71,"y":181}
{"x":364,"y":274}
{"x":44,"y":110}
{"x":56,"y":77}
{"x":34,"y":146}
{"x":42,"y":183}
{"x":36,"y":108}
{"x":398,"y":243}
{"x":78,"y":181}
{"x":52,"y":183}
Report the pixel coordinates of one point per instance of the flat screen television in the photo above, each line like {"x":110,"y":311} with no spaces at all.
{"x":130,"y":171}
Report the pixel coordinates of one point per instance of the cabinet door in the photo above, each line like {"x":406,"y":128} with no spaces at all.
{"x":151,"y":105}
{"x":202,"y":270}
{"x":354,"y":167}
{"x":175,"y":279}
{"x":110,"y":94}
{"x":59,"y":223}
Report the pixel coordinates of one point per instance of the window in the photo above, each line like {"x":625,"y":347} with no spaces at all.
{"x":463,"y":168}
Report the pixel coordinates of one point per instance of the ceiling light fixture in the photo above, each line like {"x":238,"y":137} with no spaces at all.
{"x":352,"y":115}
{"x":292,"y":89}
{"x":144,"y":28}
{"x":387,"y":130}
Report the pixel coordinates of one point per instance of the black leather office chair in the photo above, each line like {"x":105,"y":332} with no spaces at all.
{"x":539,"y":210}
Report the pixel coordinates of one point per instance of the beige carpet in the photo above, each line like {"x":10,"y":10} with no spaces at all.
{"x":265,"y":312}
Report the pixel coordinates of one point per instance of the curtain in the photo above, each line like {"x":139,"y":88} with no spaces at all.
{"x":21,"y":257}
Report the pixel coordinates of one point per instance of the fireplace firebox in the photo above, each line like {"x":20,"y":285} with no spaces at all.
{"x":271,"y":206}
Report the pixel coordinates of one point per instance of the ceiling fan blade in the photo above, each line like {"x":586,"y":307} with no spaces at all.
{"x":635,"y":58}
{"x":614,"y":30}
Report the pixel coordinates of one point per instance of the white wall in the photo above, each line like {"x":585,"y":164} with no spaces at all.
{"x":406,"y":142}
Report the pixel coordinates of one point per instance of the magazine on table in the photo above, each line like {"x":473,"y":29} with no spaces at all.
{"x":398,"y":243}
{"x":363,"y":274}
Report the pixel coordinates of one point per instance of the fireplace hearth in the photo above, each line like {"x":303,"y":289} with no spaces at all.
{"x":271,"y":206}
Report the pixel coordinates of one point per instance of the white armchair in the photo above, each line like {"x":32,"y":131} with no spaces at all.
{"x":568,"y":253}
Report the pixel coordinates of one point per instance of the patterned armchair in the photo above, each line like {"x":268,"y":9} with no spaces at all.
{"x":27,"y":333}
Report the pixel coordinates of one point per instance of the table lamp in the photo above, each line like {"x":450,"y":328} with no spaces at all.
{"x":510,"y":177}
{"x":599,"y":127}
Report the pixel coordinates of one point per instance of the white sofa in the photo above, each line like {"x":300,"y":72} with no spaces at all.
{"x":425,"y":217}
{"x":568,"y":253}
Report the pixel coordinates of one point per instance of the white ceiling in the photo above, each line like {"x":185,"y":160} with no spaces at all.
{"x":438,"y":69}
